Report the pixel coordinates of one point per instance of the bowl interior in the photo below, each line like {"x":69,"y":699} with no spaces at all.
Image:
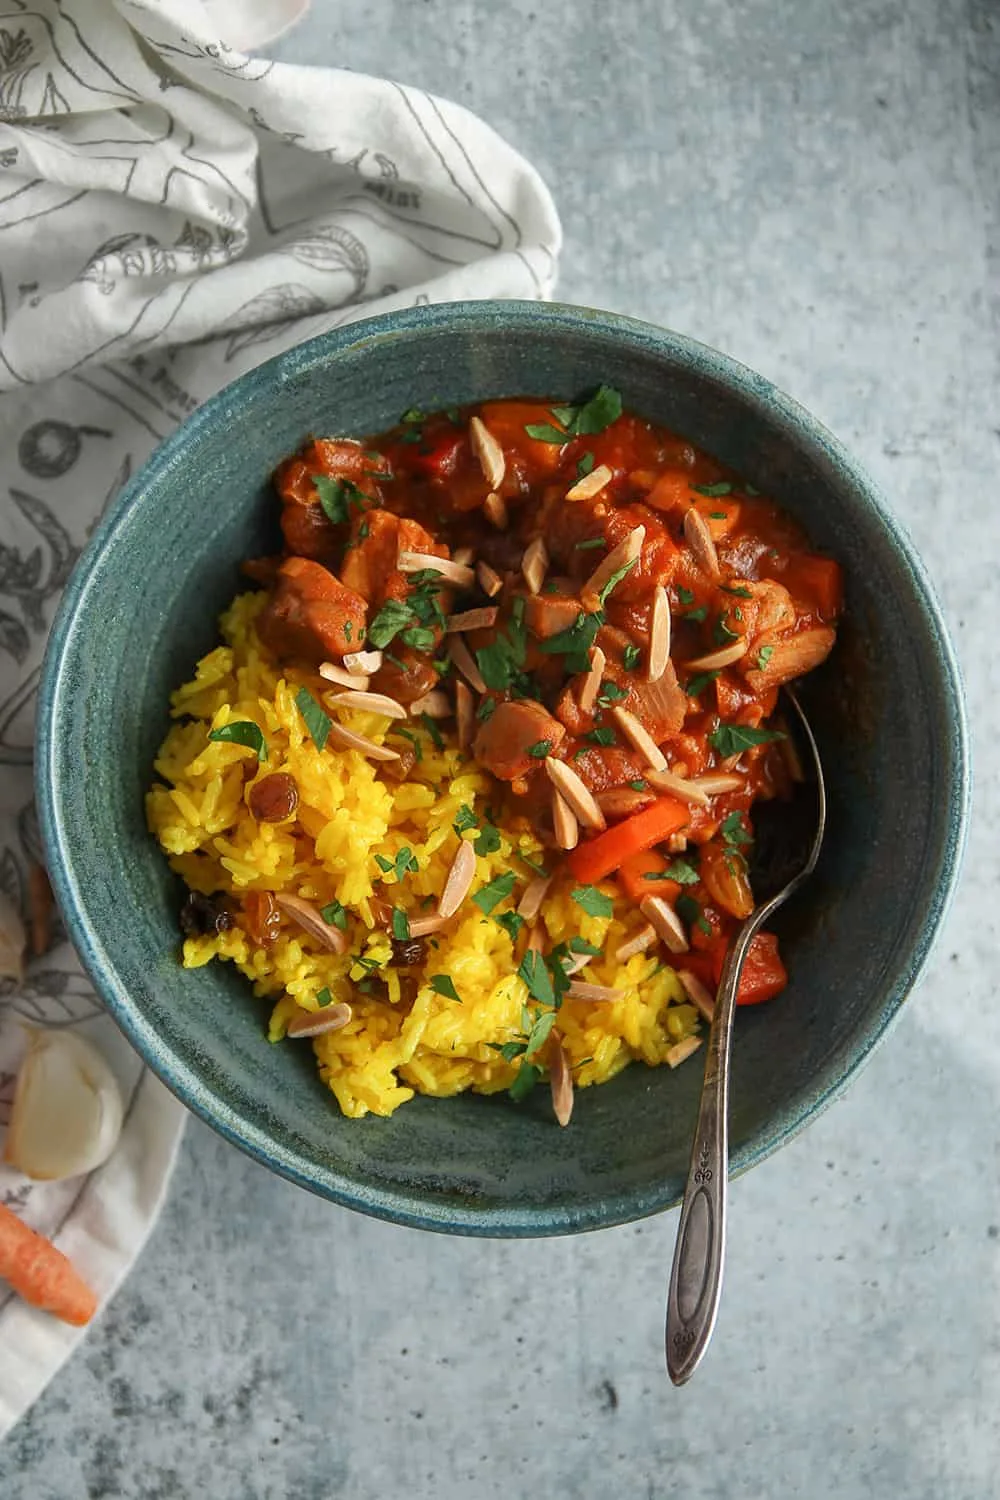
{"x":143,"y":606}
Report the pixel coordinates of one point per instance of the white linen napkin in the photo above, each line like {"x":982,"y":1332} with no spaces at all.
{"x":172,"y":212}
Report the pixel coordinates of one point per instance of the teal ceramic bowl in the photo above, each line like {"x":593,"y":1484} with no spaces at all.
{"x":143,"y":604}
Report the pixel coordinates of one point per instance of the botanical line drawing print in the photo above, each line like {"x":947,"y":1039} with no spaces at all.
{"x":16,"y":68}
{"x":267,"y":316}
{"x":54,"y":998}
{"x":17,"y":718}
{"x":47,"y":449}
{"x":21,"y":577}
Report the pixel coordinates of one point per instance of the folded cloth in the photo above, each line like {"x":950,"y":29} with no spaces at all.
{"x":172,"y":212}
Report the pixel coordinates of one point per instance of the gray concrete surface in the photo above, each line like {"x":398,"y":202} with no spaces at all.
{"x":813,"y":188}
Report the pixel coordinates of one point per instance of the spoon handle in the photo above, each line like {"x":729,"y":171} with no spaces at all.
{"x":699,"y":1255}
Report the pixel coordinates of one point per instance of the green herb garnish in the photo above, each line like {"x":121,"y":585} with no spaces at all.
{"x":721,"y":634}
{"x":575,"y":642}
{"x":400,"y":925}
{"x":740,"y":591}
{"x":584,"y":465}
{"x":681,"y":870}
{"x":685,"y":596}
{"x":611,"y":693}
{"x":639,"y":785}
{"x":533,"y":864}
{"x":511,"y":922}
{"x":334,"y":915}
{"x":733,"y":739}
{"x":616,"y":579}
{"x":540,"y":749}
{"x":602,"y":735}
{"x":443,"y":984}
{"x":528,"y":1075}
{"x":763,"y":657}
{"x":465,"y":819}
{"x":494,"y":892}
{"x":631,"y":657}
{"x":315,"y":719}
{"x":336,"y":496}
{"x":690,"y":912}
{"x":242,"y":732}
{"x":733,"y":831}
{"x":594,"y":902}
{"x":535,"y":973}
{"x":488,"y":840}
{"x":324,"y":998}
{"x":432,"y":730}
{"x":592,"y":542}
{"x":699,"y":682}
{"x":697,"y":615}
{"x":714,"y":491}
{"x":486,"y":710}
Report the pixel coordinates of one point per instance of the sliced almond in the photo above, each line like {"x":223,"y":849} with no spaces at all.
{"x":579,"y":989}
{"x":424,"y":926}
{"x":644,"y":938}
{"x":715,"y":785}
{"x":371,"y":703}
{"x":716,"y":660}
{"x":472,"y":619}
{"x":699,"y":539}
{"x":639,"y":738}
{"x":564,"y":823}
{"x":435,"y":705}
{"x":358,"y":742}
{"x":591,"y":484}
{"x":535,"y":893}
{"x":536,"y":937}
{"x":365,"y":663}
{"x":575,"y":793}
{"x":458,"y":573}
{"x":683,"y":1050}
{"x":466,"y":555}
{"x":677,"y":843}
{"x":459,"y":882}
{"x":659,"y":635}
{"x":561,"y":1084}
{"x":310,"y":920}
{"x":592,"y":682}
{"x":466,"y":663}
{"x":465,"y":715}
{"x":623,"y":801}
{"x":495,"y":511}
{"x":488,"y":451}
{"x":318,"y":1022}
{"x":680,"y":786}
{"x":489,"y":580}
{"x":626,"y":552}
{"x":535,"y":564}
{"x":333,"y":673}
{"x":576,"y":963}
{"x":697,"y":993}
{"x":667,"y":923}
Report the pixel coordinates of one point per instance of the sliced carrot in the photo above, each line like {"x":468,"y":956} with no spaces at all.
{"x":633,"y":877}
{"x":597,"y":857}
{"x":817,"y":581}
{"x":41,"y":1274}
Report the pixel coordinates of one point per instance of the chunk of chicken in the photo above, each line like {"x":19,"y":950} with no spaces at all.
{"x":790,"y":656}
{"x":370,"y":560}
{"x":311,"y":614}
{"x":504,"y":742}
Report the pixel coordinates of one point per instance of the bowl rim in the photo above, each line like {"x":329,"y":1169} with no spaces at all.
{"x":413,"y":1207}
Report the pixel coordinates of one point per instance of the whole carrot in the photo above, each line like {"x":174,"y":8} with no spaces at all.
{"x":41,"y":1274}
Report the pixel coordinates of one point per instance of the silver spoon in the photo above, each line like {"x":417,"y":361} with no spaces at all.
{"x":699,"y":1255}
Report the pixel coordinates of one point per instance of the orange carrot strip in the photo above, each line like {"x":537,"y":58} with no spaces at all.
{"x":597,"y":857}
{"x":41,"y":1274}
{"x":633,"y":875}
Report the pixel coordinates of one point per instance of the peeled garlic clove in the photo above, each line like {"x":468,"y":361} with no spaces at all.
{"x":67,"y":1113}
{"x":13,"y":941}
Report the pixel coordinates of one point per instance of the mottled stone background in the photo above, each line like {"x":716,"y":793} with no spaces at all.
{"x":813,"y":188}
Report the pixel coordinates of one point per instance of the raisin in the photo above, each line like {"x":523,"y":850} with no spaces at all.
{"x":408,"y":951}
{"x":201,"y":915}
{"x":273,"y":798}
{"x":263,"y":917}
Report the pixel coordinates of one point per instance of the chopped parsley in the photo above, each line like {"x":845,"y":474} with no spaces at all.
{"x":502,"y":660}
{"x":594,"y":902}
{"x":432,"y":730}
{"x":733,"y":739}
{"x":544,"y":432}
{"x":639,"y":785}
{"x":465,"y":819}
{"x":739,"y":591}
{"x":685,"y":596}
{"x":334,"y":915}
{"x":243,"y":732}
{"x":494,"y":892}
{"x":722,"y":635}
{"x":324,"y":998}
{"x":404,"y":862}
{"x":414,"y":739}
{"x":533,"y":865}
{"x":486,"y":710}
{"x":714,"y":491}
{"x":584,"y":465}
{"x":418,"y":636}
{"x":400,"y":925}
{"x":443,"y":984}
{"x":511,"y":922}
{"x":697,"y":615}
{"x":575,"y":641}
{"x":540,"y":749}
{"x":315,"y":719}
{"x":488,"y":840}
{"x":733,"y":831}
{"x":616,"y":579}
{"x":393,"y":617}
{"x":580,"y":945}
{"x":610,"y":693}
{"x":763,"y":657}
{"x":699,"y":682}
{"x":681,"y":870}
{"x":535,"y":973}
{"x":336,"y":496}
{"x":528,"y":1075}
{"x":602,"y":735}
{"x":631,"y":657}
{"x":539,"y":1033}
{"x":578,"y":420}
{"x":689,"y":911}
{"x":590,"y":543}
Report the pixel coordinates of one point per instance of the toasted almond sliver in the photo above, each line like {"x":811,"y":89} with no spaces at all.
{"x":575,"y":793}
{"x":310,"y":920}
{"x":561,"y":1084}
{"x":457,"y":573}
{"x":489,"y":580}
{"x":667,"y":923}
{"x":576,"y":963}
{"x":699,"y":539}
{"x":683,"y":1050}
{"x":716,"y":660}
{"x":364,"y":662}
{"x":644,"y":938}
{"x":567,"y":829}
{"x":424,"y":926}
{"x":358,"y":742}
{"x":488,"y":451}
{"x":680,"y":786}
{"x":536,"y":937}
{"x":659,"y":635}
{"x":465,"y":555}
{"x":697,"y":993}
{"x":333,"y":673}
{"x":535,"y":893}
{"x":466,"y":663}
{"x":622,"y":801}
{"x":626,"y":552}
{"x":371,"y":703}
{"x":639,"y":738}
{"x":677,"y":843}
{"x":465,"y":715}
{"x":714,"y":785}
{"x":535,"y":564}
{"x":591,"y":484}
{"x":460,"y":877}
{"x":592,"y":682}
{"x":473,"y":619}
{"x":495,"y":511}
{"x":317,"y":1022}
{"x":434,"y":704}
{"x":579,"y":989}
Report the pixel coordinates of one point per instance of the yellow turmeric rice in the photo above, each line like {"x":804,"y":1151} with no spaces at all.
{"x":352,"y":820}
